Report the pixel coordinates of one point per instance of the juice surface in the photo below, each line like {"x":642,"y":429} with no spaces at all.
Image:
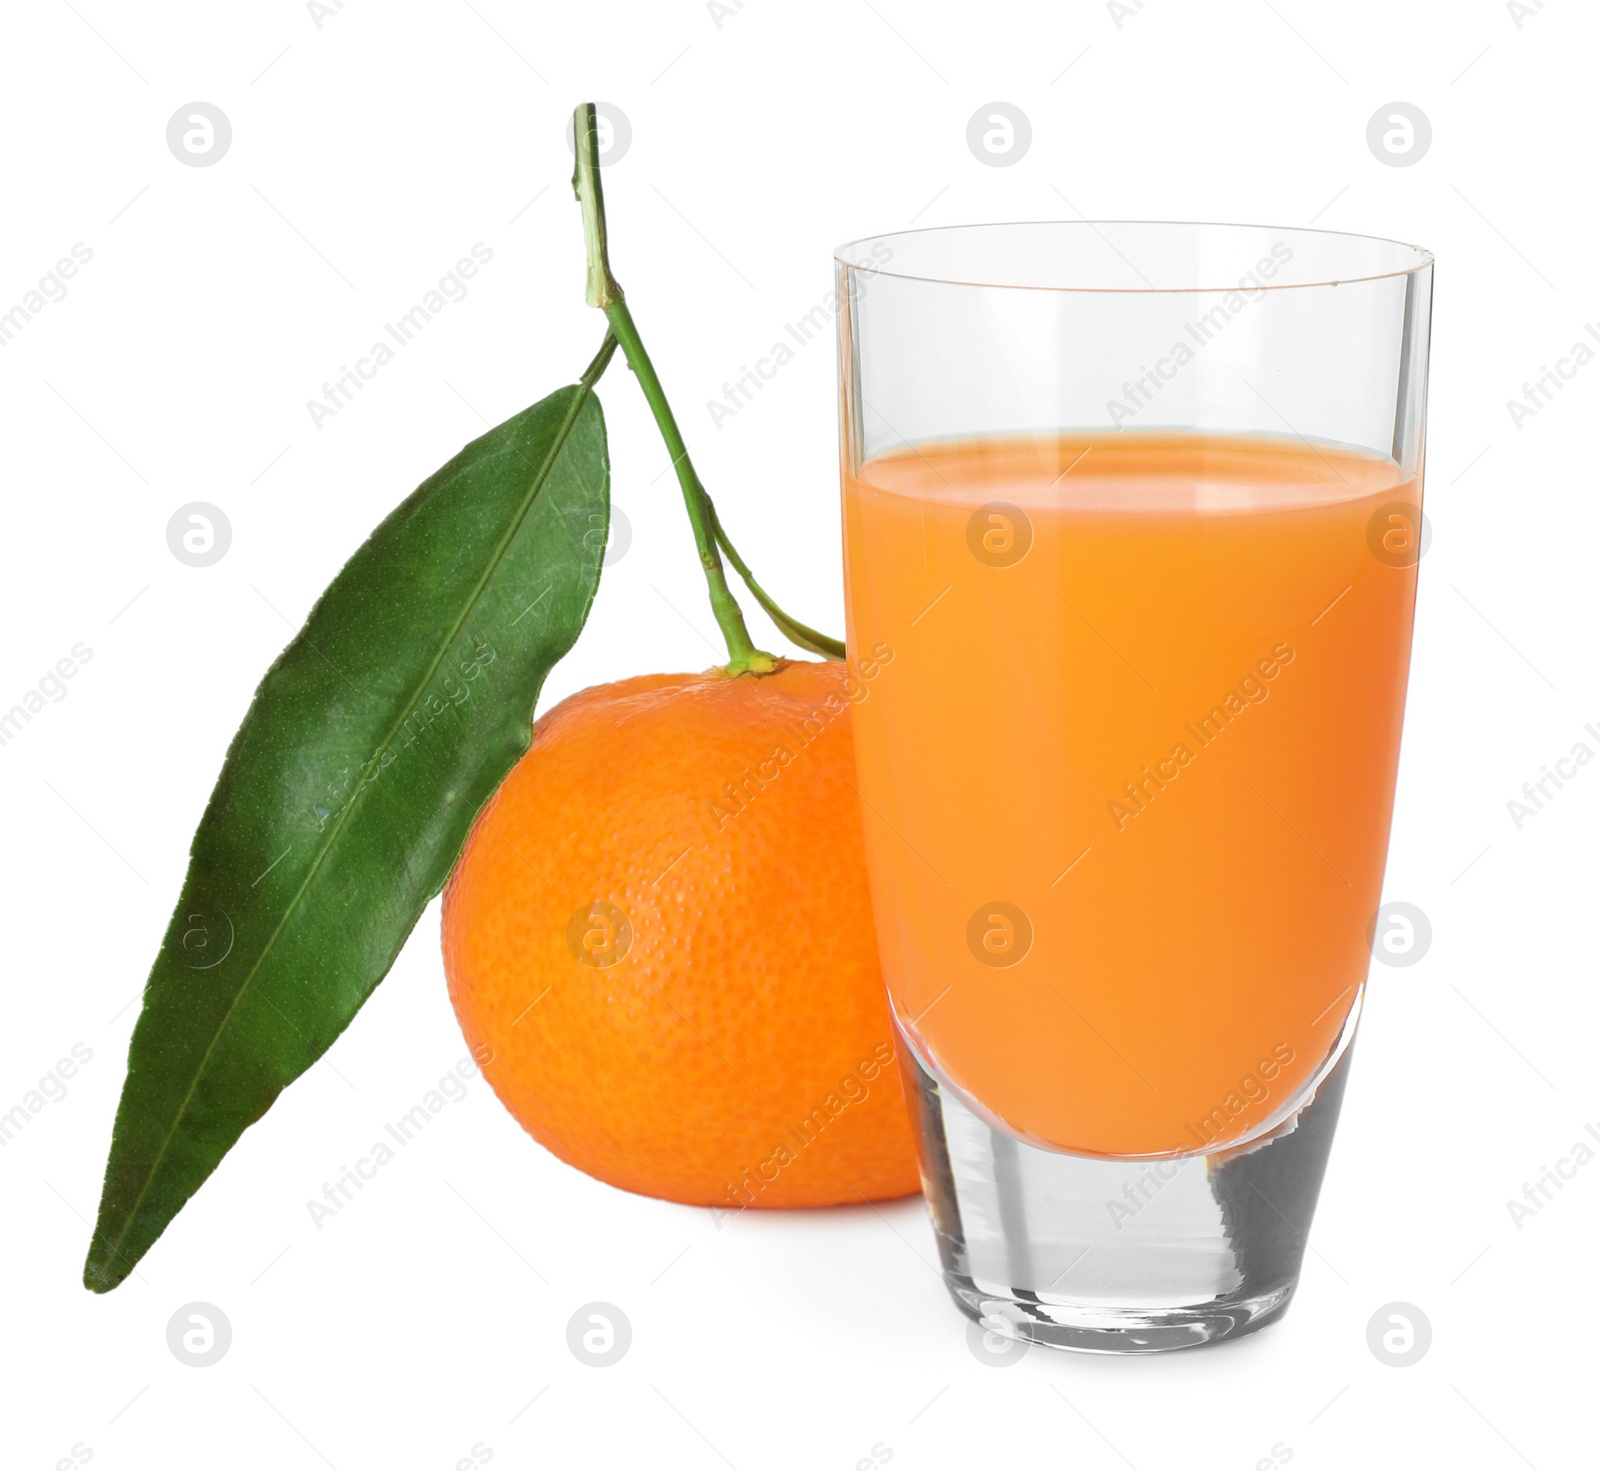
{"x":1127,"y":760}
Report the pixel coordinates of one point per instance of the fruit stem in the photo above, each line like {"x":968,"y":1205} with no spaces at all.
{"x":792,"y":628}
{"x":601,"y":290}
{"x":743,"y":656}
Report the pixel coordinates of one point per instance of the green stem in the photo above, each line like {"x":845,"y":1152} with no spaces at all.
{"x":602,"y":290}
{"x":597,"y":366}
{"x":792,"y":628}
{"x":743,"y":656}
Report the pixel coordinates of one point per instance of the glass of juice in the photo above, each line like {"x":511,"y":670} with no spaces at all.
{"x":1132,"y":518}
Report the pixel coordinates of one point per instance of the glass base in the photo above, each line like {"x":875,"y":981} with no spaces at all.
{"x":1119,"y":1255}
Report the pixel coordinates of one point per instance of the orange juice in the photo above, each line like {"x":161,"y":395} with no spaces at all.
{"x":1127,"y":766}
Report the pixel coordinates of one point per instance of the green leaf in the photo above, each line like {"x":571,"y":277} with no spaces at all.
{"x":347,"y":793}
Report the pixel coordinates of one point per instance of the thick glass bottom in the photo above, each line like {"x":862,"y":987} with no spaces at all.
{"x":1119,"y":1255}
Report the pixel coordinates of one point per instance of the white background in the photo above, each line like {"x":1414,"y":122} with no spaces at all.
{"x":367,"y":156}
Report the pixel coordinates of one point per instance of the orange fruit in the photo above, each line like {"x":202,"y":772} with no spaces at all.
{"x":659,"y":939}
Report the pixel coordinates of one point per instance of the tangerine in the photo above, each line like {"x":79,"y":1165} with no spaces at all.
{"x":660,"y":930}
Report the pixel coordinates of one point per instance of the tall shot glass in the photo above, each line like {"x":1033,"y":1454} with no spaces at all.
{"x":1132,"y":522}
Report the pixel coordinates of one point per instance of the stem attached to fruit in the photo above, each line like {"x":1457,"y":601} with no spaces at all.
{"x":792,"y":628}
{"x":743,"y":656}
{"x":602,"y":290}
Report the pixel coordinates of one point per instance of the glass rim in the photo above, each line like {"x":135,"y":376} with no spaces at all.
{"x":1423,"y":257}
